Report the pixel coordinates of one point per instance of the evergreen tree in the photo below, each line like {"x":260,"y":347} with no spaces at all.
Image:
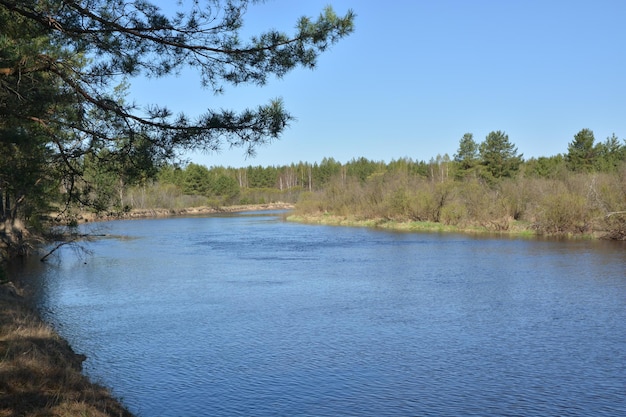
{"x":609,"y":154}
{"x":545,"y":167}
{"x":27,"y":162}
{"x":226,"y":187}
{"x":466,"y":156}
{"x":362,"y":168}
{"x":581,"y":152}
{"x":326,"y":170}
{"x":197,"y":180}
{"x":499,"y":156}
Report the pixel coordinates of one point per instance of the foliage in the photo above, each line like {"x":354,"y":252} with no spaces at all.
{"x":466,"y":156}
{"x":571,"y":204}
{"x":609,"y":154}
{"x":581,"y":152}
{"x":565,"y":210}
{"x":543,"y":197}
{"x":68,"y":136}
{"x":499,"y":156}
{"x":545,"y":167}
{"x":362,"y":168}
{"x":196,"y":180}
{"x":27,"y":163}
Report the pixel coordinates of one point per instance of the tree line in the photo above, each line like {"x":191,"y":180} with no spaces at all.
{"x":487,"y":184}
{"x":494,"y":159}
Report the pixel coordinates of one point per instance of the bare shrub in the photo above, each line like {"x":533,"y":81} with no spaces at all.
{"x":515,"y":196}
{"x":398,"y":205}
{"x":454,"y":213}
{"x":422,"y":203}
{"x":488,"y":206}
{"x":563,"y":213}
{"x":310,"y":203}
{"x":572,"y":204}
{"x":608,"y":196}
{"x":472,"y":194}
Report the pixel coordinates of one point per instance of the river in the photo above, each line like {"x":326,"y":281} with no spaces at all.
{"x":249,"y":315}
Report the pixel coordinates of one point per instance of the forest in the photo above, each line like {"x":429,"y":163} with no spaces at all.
{"x":485,"y":186}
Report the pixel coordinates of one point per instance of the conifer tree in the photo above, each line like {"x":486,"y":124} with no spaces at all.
{"x":467,"y":155}
{"x":499,"y":156}
{"x":581,"y":152}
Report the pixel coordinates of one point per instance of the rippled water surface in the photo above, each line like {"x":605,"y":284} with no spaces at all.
{"x":248,"y":315}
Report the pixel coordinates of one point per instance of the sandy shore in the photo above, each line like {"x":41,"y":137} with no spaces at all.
{"x":189,"y":211}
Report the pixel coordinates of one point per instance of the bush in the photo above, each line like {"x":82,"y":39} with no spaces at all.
{"x":564,"y":213}
{"x":454,"y":214}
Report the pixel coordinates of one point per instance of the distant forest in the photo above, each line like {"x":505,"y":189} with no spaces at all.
{"x":487,"y":184}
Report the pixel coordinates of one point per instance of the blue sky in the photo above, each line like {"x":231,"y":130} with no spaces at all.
{"x":416,"y":75}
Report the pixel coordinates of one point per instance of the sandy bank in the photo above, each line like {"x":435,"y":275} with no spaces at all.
{"x":188,"y":211}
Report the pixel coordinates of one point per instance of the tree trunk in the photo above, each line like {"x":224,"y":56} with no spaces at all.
{"x":7,"y":205}
{"x":2,"y":217}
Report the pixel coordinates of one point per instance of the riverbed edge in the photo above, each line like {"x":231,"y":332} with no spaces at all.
{"x":40,"y":374}
{"x":519,"y":230}
{"x":156,"y":213}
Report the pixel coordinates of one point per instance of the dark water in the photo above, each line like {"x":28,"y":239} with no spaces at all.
{"x":246,"y":315}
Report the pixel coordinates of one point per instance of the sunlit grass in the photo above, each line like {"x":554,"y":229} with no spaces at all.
{"x":517,"y":229}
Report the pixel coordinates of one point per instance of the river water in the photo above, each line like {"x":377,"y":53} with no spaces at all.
{"x":248,"y":315}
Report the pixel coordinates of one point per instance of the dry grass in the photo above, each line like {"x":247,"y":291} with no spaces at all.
{"x":40,"y":375}
{"x":515,"y":229}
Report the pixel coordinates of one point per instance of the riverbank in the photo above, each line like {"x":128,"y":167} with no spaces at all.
{"x":513,"y":229}
{"x":155,"y":213}
{"x":40,"y":374}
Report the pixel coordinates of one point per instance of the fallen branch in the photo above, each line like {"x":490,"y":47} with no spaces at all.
{"x":72,"y":239}
{"x":43,"y":259}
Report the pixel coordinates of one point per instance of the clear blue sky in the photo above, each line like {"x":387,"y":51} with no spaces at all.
{"x":416,"y":75}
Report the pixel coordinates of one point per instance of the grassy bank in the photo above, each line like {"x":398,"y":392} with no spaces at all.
{"x":515,"y":229}
{"x":40,"y":374}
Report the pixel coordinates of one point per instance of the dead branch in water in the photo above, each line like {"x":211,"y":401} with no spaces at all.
{"x":68,"y":240}
{"x":58,"y":246}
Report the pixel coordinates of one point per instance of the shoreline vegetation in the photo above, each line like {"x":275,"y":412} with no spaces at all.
{"x":516,"y":229}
